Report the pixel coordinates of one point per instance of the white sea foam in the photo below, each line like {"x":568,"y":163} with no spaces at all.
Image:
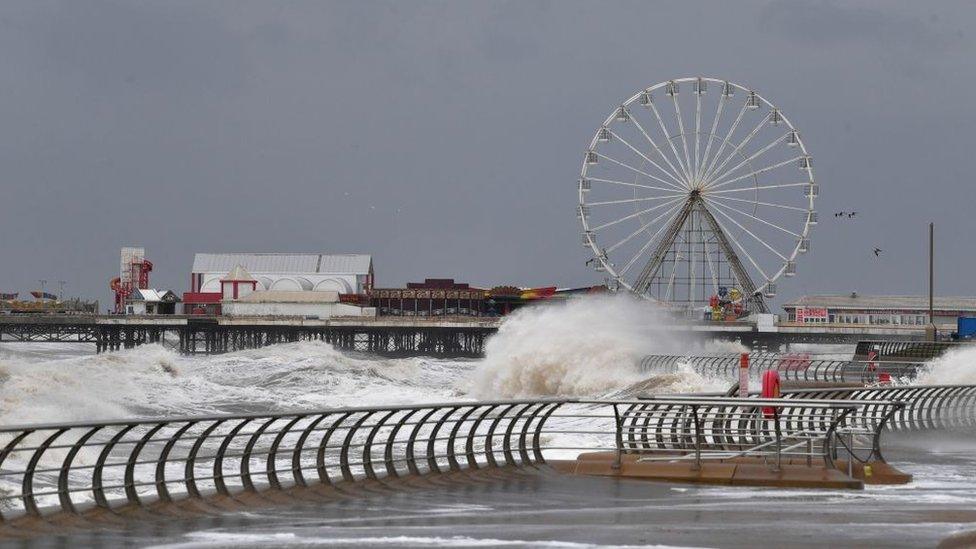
{"x":585,"y":347}
{"x":588,"y":346}
{"x":38,"y":386}
{"x":223,"y":539}
{"x":154,"y":381}
{"x":956,"y":367}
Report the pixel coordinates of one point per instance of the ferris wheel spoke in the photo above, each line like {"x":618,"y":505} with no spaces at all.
{"x":642,"y":228}
{"x":674,"y":271}
{"x":636,"y":214}
{"x":633,"y":200}
{"x":725,"y":140}
{"x":770,"y":204}
{"x":758,"y":188}
{"x":708,"y":261}
{"x":650,"y":241}
{"x":629,"y":167}
{"x":681,"y":130}
{"x":741,"y":248}
{"x":711,"y":134}
{"x":628,"y":184}
{"x":737,"y":148}
{"x":674,"y":173}
{"x":754,"y":155}
{"x":763,"y":221}
{"x":697,"y":128}
{"x":765,"y":169}
{"x":753,"y":235}
{"x":667,"y":137}
{"x":651,"y":162}
{"x":692,"y":248}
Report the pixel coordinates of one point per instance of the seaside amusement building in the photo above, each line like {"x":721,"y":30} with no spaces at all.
{"x":445,"y":296}
{"x":342,"y":273}
{"x":304,"y":284}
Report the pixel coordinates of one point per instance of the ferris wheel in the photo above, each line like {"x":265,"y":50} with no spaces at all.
{"x":693,"y":187}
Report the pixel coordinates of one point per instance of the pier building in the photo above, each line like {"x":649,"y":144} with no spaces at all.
{"x":304,"y":284}
{"x":445,"y":296}
{"x":238,"y":283}
{"x":284,"y":303}
{"x":342,"y":273}
{"x":878,"y":310}
{"x":148,"y":301}
{"x":432,"y":297}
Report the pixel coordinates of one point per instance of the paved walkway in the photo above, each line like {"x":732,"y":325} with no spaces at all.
{"x":495,"y":509}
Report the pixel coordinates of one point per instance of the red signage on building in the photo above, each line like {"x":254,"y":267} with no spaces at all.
{"x":814,"y":314}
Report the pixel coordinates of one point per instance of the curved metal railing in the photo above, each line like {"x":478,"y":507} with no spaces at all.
{"x":813,"y":426}
{"x":109,"y":464}
{"x":906,"y":350}
{"x":926,"y":406}
{"x":790,"y":367}
{"x":922,"y":407}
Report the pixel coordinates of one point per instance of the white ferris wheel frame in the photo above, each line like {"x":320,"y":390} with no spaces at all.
{"x":685,"y":171}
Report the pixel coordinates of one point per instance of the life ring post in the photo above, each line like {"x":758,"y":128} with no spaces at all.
{"x":744,"y":375}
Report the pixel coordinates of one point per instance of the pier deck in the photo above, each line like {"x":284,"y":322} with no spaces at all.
{"x":443,"y":336}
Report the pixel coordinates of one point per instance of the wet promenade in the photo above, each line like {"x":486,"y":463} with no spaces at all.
{"x":544,"y":508}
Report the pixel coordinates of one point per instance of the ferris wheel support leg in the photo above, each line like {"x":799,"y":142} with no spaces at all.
{"x":650,"y":270}
{"x":748,"y":286}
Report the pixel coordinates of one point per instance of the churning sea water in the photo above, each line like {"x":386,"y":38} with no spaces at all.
{"x":584,"y":348}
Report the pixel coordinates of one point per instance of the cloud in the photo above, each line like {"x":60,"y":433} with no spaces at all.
{"x":150,"y":46}
{"x":192,"y":125}
{"x":825,"y":23}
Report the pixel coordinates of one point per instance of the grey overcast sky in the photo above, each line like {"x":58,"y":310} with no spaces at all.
{"x":445,"y":138}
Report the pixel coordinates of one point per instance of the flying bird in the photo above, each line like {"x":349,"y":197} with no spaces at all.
{"x":852,"y":214}
{"x":877,"y":252}
{"x":840,"y":214}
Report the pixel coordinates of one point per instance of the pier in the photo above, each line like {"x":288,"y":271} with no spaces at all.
{"x":446,"y":336}
{"x":442,"y":337}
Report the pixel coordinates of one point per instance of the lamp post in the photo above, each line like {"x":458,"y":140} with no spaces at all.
{"x":931,"y":332}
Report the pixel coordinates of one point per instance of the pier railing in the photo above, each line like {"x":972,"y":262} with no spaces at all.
{"x":790,"y":367}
